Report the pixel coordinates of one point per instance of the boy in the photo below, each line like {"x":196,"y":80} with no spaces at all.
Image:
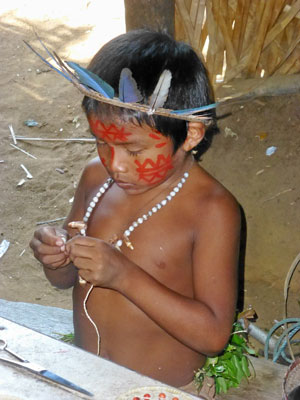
{"x":157,"y":258}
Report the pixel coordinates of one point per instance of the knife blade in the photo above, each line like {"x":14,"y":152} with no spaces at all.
{"x":40,"y":371}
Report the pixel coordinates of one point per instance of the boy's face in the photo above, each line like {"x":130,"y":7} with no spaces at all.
{"x":136,"y":157}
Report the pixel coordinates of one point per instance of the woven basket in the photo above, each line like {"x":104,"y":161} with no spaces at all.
{"x":291,"y":379}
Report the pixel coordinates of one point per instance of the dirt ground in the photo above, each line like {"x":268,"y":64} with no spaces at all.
{"x":267,"y":187}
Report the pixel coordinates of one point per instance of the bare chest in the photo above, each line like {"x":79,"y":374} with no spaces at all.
{"x":161,"y":244}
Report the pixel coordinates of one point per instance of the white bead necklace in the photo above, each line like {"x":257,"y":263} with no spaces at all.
{"x":139,"y":221}
{"x":119,"y":242}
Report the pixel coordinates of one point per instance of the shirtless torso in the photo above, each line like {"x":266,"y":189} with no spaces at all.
{"x":164,"y":306}
{"x":163,"y":247}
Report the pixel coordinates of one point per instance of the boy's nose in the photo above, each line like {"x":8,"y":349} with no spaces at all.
{"x":118,"y":160}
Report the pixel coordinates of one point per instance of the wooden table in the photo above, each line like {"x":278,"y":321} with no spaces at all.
{"x":106,"y":380}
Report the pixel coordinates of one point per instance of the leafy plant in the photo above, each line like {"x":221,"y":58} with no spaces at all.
{"x":67,"y":338}
{"x":231,"y":366}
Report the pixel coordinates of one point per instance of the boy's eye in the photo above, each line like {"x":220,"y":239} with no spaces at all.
{"x":133,"y":153}
{"x":99,"y":143}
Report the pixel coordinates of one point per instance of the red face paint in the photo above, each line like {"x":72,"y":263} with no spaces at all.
{"x":158,"y":136}
{"x":110,"y":132}
{"x":103,"y":161}
{"x":154,"y":171}
{"x":112,"y":154}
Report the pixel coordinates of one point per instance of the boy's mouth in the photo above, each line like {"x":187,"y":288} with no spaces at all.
{"x":124,"y":185}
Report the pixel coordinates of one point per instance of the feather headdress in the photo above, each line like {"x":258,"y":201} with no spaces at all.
{"x":93,"y":86}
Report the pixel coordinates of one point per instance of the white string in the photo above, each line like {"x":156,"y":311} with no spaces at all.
{"x":91,"y":320}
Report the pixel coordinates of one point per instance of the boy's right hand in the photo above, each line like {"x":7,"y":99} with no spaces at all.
{"x":48,"y":245}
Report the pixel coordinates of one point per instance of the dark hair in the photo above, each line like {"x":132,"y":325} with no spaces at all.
{"x":147,"y":54}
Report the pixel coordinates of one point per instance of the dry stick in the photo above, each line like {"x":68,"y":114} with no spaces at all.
{"x":50,"y":221}
{"x":295,"y":68}
{"x":277,"y":194}
{"x":243,"y":28}
{"x":23,"y":151}
{"x":184,"y":14}
{"x":12,"y":133}
{"x":247,"y":52}
{"x":264,"y":14}
{"x":199,"y":23}
{"x":282,"y":24}
{"x":277,"y":9}
{"x":219,"y":59}
{"x":231,"y":14}
{"x":211,"y":29}
{"x":236,"y":36}
{"x":91,"y":140}
{"x":193,"y":12}
{"x":284,"y":66}
{"x":28,"y":174}
{"x":231,"y":56}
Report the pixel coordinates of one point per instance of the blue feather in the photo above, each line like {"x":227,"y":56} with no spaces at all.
{"x":49,"y":64}
{"x":91,"y":80}
{"x":128,"y":90}
{"x":195,"y":110}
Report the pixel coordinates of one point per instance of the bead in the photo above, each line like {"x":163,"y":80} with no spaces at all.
{"x":139,"y":221}
{"x":119,"y":243}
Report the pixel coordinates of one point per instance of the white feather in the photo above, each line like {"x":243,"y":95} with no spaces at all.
{"x":161,"y":91}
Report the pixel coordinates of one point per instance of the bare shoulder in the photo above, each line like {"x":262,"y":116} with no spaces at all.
{"x":212,"y":203}
{"x":94,"y":174}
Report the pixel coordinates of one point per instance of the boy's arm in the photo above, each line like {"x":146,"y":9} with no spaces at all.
{"x":202,"y":322}
{"x":46,"y":241}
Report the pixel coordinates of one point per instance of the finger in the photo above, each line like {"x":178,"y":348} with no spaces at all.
{"x":53,"y":259}
{"x":84,"y":264}
{"x":86,"y":252}
{"x":48,"y":235}
{"x":41,"y":248}
{"x":83,"y":241}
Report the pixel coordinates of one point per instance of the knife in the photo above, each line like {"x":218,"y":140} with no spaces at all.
{"x":40,"y":371}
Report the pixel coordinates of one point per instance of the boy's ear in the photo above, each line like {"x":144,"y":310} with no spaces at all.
{"x":195,"y":134}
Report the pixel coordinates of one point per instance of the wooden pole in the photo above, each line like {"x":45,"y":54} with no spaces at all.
{"x":158,"y":15}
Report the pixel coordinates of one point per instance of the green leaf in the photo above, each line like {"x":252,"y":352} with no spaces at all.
{"x":238,"y":365}
{"x":245,"y":366}
{"x":221,"y":385}
{"x":238,"y":340}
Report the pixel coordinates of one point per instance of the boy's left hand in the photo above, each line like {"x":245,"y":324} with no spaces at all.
{"x":98,"y":262}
